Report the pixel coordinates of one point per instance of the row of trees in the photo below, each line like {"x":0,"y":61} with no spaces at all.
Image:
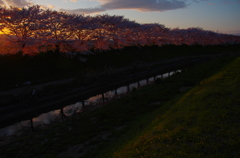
{"x":33,"y":29}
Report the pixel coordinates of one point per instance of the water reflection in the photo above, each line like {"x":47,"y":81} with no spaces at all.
{"x":72,"y":109}
{"x":58,"y":115}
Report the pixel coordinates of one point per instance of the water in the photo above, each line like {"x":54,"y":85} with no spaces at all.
{"x":46,"y":119}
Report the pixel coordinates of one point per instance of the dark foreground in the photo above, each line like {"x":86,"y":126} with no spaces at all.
{"x":192,"y":114}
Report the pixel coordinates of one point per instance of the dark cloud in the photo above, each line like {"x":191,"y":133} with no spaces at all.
{"x":197,"y":1}
{"x":144,"y":5}
{"x":219,"y":2}
{"x":84,"y":10}
{"x":140,"y":5}
{"x":230,"y":1}
{"x":18,"y":3}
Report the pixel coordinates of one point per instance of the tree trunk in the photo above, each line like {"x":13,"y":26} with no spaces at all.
{"x":56,"y":53}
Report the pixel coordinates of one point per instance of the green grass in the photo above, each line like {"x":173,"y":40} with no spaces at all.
{"x":204,"y":122}
{"x":155,"y":121}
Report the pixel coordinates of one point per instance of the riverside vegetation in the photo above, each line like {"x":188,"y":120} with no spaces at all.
{"x":191,"y":114}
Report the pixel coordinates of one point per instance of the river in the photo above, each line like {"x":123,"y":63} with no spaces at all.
{"x":57,"y":115}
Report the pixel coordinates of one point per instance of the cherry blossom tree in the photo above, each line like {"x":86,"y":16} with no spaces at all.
{"x":33,"y":29}
{"x":152,"y":34}
{"x":118,"y":29}
{"x":20,"y":25}
{"x":101,"y":33}
{"x":129,"y":29}
{"x":83,"y":32}
{"x":58,"y":29}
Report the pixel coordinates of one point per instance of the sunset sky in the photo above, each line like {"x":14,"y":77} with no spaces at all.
{"x":216,"y":15}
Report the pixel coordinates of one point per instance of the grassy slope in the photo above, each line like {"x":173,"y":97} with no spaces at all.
{"x":155,"y":121}
{"x":202,"y":123}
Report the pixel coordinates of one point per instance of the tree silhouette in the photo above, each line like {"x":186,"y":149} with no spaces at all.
{"x":33,"y":30}
{"x":21,"y":25}
{"x":58,"y":28}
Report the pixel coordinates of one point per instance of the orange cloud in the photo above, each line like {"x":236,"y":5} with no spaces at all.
{"x":16,"y":3}
{"x":50,"y":6}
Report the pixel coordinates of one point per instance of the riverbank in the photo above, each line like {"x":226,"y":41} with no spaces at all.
{"x":198,"y":108}
{"x":32,"y":101}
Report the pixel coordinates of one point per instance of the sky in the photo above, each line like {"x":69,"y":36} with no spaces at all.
{"x":221,"y":16}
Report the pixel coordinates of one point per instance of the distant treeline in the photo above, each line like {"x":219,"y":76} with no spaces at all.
{"x":33,"y":29}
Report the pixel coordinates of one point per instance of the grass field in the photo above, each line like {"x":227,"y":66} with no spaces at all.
{"x":191,"y":114}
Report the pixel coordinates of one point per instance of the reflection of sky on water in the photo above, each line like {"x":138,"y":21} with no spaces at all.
{"x":48,"y":118}
{"x":122,"y":90}
{"x":13,"y":129}
{"x":72,"y":109}
{"x":93,"y":99}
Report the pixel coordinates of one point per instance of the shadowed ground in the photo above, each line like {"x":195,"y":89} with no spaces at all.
{"x":192,"y":114}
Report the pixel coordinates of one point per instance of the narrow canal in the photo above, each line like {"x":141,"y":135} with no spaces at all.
{"x":57,"y":115}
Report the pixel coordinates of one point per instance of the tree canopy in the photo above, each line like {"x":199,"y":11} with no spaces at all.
{"x":33,"y":29}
